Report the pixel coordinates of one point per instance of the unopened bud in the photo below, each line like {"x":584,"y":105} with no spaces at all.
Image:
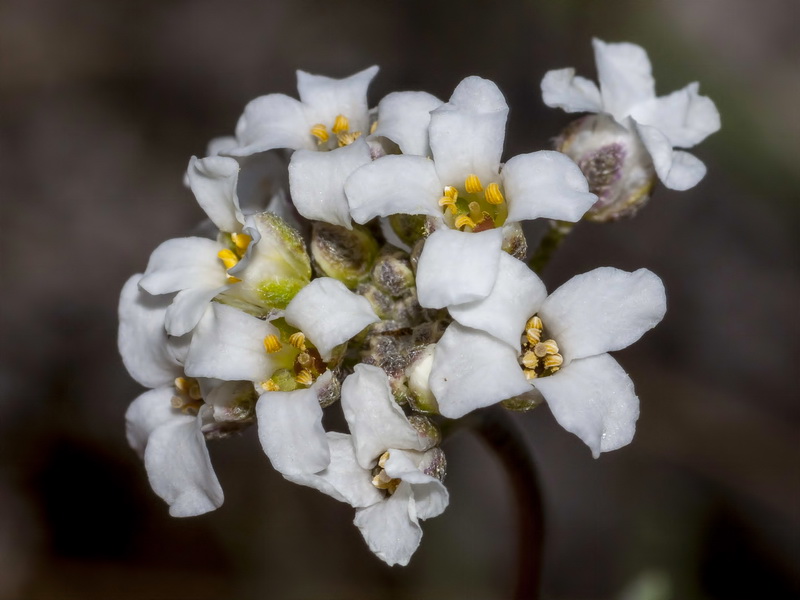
{"x":409,"y":228}
{"x":428,"y":431}
{"x":418,"y":373}
{"x":514,"y":242}
{"x":344,"y":254}
{"x":615,"y":162}
{"x":392,"y":274}
{"x":434,"y":463}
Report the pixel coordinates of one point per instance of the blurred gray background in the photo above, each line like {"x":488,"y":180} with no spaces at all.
{"x":103,"y":103}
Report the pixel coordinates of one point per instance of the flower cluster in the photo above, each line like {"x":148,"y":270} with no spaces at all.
{"x":374,"y":260}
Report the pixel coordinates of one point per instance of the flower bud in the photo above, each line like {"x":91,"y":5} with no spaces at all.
{"x":614,"y":161}
{"x":418,"y":373}
{"x":427,"y":430}
{"x":514,"y":242}
{"x":344,"y":254}
{"x":392,"y":274}
{"x":276,"y":267}
{"x":433,"y":463}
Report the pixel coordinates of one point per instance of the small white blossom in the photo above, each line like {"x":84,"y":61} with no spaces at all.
{"x":384,"y":468}
{"x":464,"y":189}
{"x":497,"y":349}
{"x":627,"y":93}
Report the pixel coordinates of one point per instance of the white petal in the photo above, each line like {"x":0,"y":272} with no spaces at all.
{"x":594,"y":399}
{"x":545,"y":184}
{"x":603,"y":310}
{"x":472,"y":369}
{"x":394,"y":185}
{"x":563,"y":89}
{"x":142,"y":339}
{"x":228,"y":344}
{"x":327,"y":98}
{"x":404,"y":117}
{"x":316,"y":181}
{"x":290,"y":429}
{"x":179,"y":468}
{"x":376,"y":421}
{"x":213,"y":181}
{"x":685,"y":117}
{"x":390,"y":527}
{"x":430,"y":495}
{"x":467,"y":133}
{"x":148,"y":412}
{"x":516,"y":296}
{"x":625,"y":76}
{"x":329,"y":314}
{"x":273,"y":121}
{"x":344,"y":479}
{"x":183,"y":263}
{"x":457,"y":267}
{"x":187,"y":309}
{"x":221,"y":145}
{"x":676,"y":169}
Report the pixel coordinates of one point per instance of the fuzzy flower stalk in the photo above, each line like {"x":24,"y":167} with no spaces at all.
{"x":372,"y":261}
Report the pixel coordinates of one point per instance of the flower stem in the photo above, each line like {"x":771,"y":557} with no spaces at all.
{"x":499,"y":431}
{"x":549,"y":244}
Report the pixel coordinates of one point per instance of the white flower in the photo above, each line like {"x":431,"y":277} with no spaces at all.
{"x":464,"y":189}
{"x":384,"y":468}
{"x":231,"y":345}
{"x":518,"y":337}
{"x":170,"y":441}
{"x":627,"y":93}
{"x":332,"y":114}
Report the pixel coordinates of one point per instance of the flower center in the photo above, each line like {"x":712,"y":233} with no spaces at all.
{"x":188,"y":398}
{"x":230,"y":256}
{"x":380,"y":479}
{"x":303,"y":362}
{"x":540,"y":356}
{"x":341,"y":134}
{"x":473,"y":207}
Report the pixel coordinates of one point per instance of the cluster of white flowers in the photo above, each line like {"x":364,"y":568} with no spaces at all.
{"x":374,"y":260}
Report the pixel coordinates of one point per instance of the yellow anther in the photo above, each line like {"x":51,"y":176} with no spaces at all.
{"x":553,"y":361}
{"x":493,"y":194}
{"x":533,"y":336}
{"x":464,"y":221}
{"x":451,"y":192}
{"x":272,"y":344}
{"x":298,"y":340}
{"x":341,"y":124}
{"x":320,"y":132}
{"x":194,"y":391}
{"x":446,"y":201}
{"x":373,"y":127}
{"x":382,"y":460}
{"x":232,"y":279}
{"x":182,"y":384}
{"x":472,"y":184}
{"x":304,"y":377}
{"x":270,"y":386}
{"x":347,"y":138}
{"x":534,"y":323}
{"x":530,"y":374}
{"x":228,"y":258}
{"x":530,"y":360}
{"x":241,"y":241}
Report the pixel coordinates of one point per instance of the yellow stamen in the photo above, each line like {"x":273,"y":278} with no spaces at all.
{"x":530,"y":374}
{"x":241,"y":241}
{"x":373,"y":127}
{"x":530,"y":360}
{"x":232,"y":279}
{"x":533,"y":336}
{"x":451,"y":192}
{"x":472,"y":184}
{"x":534,"y":323}
{"x":550,"y":346}
{"x":272,"y":344}
{"x":553,"y":361}
{"x":464,"y":221}
{"x":345,"y":139}
{"x":446,"y":201}
{"x":493,"y":194}
{"x":382,"y":460}
{"x":194,"y":391}
{"x":320,"y":132}
{"x":270,"y":386}
{"x":298,"y":340}
{"x":341,"y":124}
{"x":304,"y":377}
{"x":182,"y":384}
{"x":228,"y":258}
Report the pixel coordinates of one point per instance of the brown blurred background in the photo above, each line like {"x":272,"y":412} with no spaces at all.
{"x":103,"y":103}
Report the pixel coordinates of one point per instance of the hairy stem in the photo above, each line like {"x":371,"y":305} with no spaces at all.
{"x":551,"y":241}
